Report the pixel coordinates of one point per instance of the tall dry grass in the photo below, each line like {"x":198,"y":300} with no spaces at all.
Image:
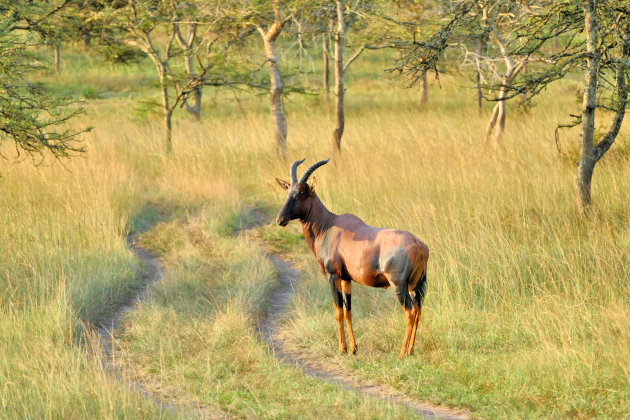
{"x":527,"y":310}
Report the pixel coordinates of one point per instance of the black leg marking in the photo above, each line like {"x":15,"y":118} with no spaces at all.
{"x":404,"y":298}
{"x":421,"y":289}
{"x":338,"y":299}
{"x":347,"y":300}
{"x":336,"y":294}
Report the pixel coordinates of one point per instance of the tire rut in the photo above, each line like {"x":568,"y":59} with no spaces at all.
{"x":289,"y":277}
{"x":268,"y":330}
{"x":107,"y":329}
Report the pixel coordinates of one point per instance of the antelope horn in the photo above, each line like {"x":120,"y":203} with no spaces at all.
{"x":310,"y":170}
{"x":294,"y":170}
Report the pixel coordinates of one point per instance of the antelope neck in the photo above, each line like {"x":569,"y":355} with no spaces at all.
{"x":318,"y":220}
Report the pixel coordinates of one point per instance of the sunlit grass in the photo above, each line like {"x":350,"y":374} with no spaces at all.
{"x":527,"y":312}
{"x":195,"y":339}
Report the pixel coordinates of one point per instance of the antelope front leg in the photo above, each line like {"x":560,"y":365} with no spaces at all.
{"x":347,"y":313}
{"x":335,"y":288}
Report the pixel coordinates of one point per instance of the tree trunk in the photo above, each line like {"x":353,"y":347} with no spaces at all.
{"x":57,"y":58}
{"x":500,"y":127}
{"x":188,"y":45}
{"x":87,"y":40}
{"x":195,"y":108}
{"x":496,"y":125}
{"x":583,"y":184}
{"x":275,"y":95}
{"x":479,"y":93}
{"x":339,"y":89}
{"x":168,"y":130}
{"x":492,"y":122}
{"x":497,"y":121}
{"x":326,"y":65}
{"x":587,"y":161}
{"x":167,"y":111}
{"x":483,"y":45}
{"x":424,"y":90}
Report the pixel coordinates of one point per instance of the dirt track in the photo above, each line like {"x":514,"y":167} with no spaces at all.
{"x":107,"y":329}
{"x":288,"y":280}
{"x":288,"y":277}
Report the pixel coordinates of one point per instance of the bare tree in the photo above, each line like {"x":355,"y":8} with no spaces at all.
{"x":590,"y":36}
{"x":496,"y":125}
{"x":600,"y":54}
{"x":371,"y":28}
{"x":339,"y":71}
{"x":140,"y":24}
{"x":269,"y":34}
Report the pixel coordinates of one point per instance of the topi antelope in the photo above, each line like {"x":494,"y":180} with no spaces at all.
{"x":349,"y":250}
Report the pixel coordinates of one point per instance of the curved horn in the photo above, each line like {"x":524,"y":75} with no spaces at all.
{"x":310,"y":170}
{"x":294,"y":170}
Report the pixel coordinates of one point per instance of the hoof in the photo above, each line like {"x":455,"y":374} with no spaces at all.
{"x":355,"y":349}
{"x":343,"y":350}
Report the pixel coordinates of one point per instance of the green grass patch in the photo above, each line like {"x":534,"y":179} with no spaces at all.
{"x":543,"y":357}
{"x":196,"y":337}
{"x":527,"y":310}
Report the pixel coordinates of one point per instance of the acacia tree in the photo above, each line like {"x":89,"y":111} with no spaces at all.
{"x":50,"y":20}
{"x":606,"y":50}
{"x":269,"y":31}
{"x":483,"y":30}
{"x":30,"y":115}
{"x":593,"y":37}
{"x":370,"y":33}
{"x":269,"y":19}
{"x":595,"y":40}
{"x":145,"y":24}
{"x":496,"y":126}
{"x":419,"y":17}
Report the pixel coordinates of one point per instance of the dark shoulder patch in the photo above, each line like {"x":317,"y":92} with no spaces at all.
{"x":325,"y":252}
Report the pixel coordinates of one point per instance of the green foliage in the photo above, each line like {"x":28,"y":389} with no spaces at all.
{"x":31,"y":115}
{"x":90,"y":93}
{"x":121,"y":54}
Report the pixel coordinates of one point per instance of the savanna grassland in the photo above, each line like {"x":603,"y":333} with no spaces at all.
{"x":527,"y":313}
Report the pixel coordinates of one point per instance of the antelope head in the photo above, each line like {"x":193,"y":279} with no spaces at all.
{"x":298,"y":204}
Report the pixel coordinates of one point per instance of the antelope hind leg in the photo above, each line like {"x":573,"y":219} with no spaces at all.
{"x":418,"y":297}
{"x":418,"y":311}
{"x":410,"y":315}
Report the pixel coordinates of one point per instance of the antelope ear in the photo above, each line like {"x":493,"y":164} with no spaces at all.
{"x":283,"y":184}
{"x":311,"y":188}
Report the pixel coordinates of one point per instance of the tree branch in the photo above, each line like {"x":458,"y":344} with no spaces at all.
{"x":354,"y":57}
